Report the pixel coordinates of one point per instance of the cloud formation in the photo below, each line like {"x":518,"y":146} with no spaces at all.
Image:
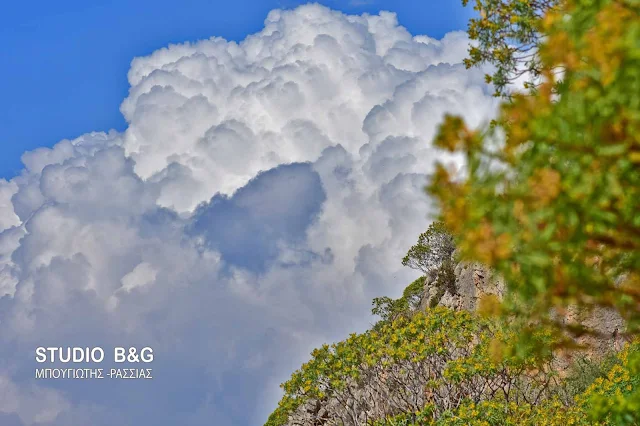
{"x":262,"y":194}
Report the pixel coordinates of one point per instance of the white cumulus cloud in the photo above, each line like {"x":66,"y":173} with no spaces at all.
{"x":262,"y":194}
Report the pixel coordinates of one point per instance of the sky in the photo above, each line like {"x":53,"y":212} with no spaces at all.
{"x":262,"y":187}
{"x":64,"y":63}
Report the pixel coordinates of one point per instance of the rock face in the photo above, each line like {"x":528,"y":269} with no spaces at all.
{"x":473,"y":281}
{"x":607,"y":323}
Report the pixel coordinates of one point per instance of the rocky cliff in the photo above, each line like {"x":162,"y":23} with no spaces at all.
{"x":473,"y":281}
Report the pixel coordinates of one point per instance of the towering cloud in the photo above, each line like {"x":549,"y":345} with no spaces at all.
{"x":261,"y":195}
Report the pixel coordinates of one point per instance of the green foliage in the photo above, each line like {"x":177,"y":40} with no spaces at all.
{"x":435,"y":300}
{"x":440,"y":368}
{"x":615,"y":399}
{"x":555,"y":208}
{"x":604,"y":402}
{"x":433,"y":256}
{"x":552,"y":199}
{"x":433,"y":247}
{"x":412,"y":295}
{"x":445,"y":282}
{"x":507,"y":35}
{"x":583,"y":372}
{"x":437,"y":359}
{"x":391,"y":309}
{"x":446,"y":279}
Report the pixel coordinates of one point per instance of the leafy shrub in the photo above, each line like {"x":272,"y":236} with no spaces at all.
{"x":437,"y":359}
{"x":434,"y":247}
{"x":389,"y":309}
{"x":554,"y":207}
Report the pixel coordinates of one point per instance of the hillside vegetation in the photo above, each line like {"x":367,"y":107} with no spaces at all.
{"x":551,"y":207}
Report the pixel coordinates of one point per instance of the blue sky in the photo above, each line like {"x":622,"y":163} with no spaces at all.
{"x":64,"y":63}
